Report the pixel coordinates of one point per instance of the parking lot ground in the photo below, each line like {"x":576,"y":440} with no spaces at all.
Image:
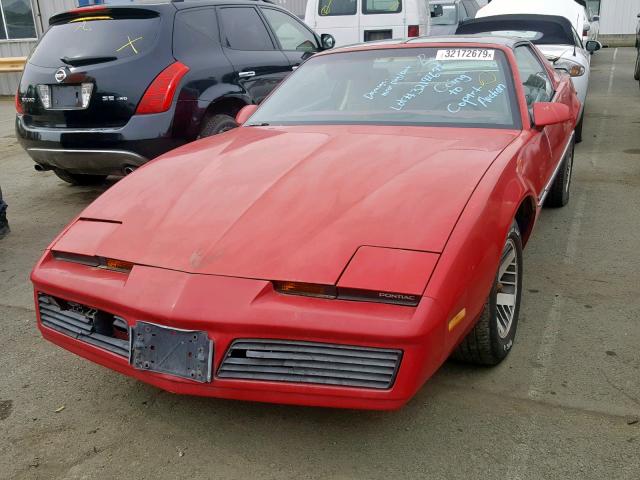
{"x":565,"y":404}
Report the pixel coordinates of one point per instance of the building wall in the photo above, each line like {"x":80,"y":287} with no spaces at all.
{"x":43,"y":10}
{"x":619,"y":17}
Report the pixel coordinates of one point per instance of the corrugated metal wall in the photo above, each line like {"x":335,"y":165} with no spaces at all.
{"x":296,"y":7}
{"x":48,"y":8}
{"x":619,"y":17}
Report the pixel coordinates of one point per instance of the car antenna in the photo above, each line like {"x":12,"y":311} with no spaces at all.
{"x":574,"y":46}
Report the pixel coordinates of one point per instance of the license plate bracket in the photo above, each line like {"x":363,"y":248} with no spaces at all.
{"x":66,"y":97}
{"x":181,"y":353}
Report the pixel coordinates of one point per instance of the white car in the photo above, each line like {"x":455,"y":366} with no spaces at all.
{"x":569,"y":9}
{"x":554,"y":36}
{"x":356,"y":21}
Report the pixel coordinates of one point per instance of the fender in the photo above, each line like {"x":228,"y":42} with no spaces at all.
{"x":473,"y":250}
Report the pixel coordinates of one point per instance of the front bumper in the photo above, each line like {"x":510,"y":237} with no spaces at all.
{"x":103,"y":151}
{"x":231,"y":309}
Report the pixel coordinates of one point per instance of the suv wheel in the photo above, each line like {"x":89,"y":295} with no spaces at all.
{"x":636,"y":72}
{"x":217,"y":124}
{"x":79,"y":179}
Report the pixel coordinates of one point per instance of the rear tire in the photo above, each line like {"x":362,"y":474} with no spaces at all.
{"x":217,"y":124}
{"x":492,"y":337}
{"x":636,"y":72}
{"x":79,"y":179}
{"x":560,"y":191}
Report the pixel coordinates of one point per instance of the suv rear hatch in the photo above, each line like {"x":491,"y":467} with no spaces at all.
{"x":93,"y":66}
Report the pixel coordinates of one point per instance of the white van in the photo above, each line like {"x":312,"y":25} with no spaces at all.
{"x":356,"y":21}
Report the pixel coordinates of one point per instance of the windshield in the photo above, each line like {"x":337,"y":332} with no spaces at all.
{"x":449,"y":14}
{"x":409,"y":86}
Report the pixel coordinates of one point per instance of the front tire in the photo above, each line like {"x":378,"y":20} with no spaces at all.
{"x":636,"y":72}
{"x":79,"y":179}
{"x":492,"y":337}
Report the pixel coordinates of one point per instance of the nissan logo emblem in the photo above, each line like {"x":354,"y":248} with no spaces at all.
{"x":61,"y":74}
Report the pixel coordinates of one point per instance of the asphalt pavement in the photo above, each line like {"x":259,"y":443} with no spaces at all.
{"x":564,"y":405}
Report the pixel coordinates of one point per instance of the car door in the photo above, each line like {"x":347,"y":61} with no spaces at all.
{"x":259,"y":66}
{"x":548,"y":141}
{"x":294,"y":38}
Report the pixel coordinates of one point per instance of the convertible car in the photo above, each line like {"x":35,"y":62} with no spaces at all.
{"x":363,"y":225}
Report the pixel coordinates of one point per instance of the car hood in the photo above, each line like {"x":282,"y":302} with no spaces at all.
{"x":289,"y":203}
{"x":553,"y":52}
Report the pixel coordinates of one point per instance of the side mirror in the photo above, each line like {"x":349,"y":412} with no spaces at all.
{"x":596,"y":18}
{"x":436,"y":10}
{"x":549,"y":113}
{"x":327,"y":41}
{"x":244,"y":113}
{"x":593,"y":46}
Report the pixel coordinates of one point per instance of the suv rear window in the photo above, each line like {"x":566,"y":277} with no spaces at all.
{"x":96,"y":36}
{"x":330,"y":8}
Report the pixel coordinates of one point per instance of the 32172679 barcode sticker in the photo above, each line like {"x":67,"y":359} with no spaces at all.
{"x":465,"y":54}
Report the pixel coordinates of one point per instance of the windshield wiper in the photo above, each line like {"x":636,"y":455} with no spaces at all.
{"x":79,"y":61}
{"x":263,"y":124}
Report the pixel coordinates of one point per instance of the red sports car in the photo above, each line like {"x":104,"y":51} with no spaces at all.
{"x":362,"y":226}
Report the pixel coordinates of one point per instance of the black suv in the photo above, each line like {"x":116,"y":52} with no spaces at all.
{"x":109,"y":88}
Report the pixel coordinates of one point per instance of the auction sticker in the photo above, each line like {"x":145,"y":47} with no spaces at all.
{"x":465,"y":54}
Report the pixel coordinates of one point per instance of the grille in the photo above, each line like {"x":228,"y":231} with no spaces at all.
{"x":85,"y":324}
{"x":307,"y":362}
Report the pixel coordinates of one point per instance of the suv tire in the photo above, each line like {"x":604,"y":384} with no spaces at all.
{"x":216,"y":124}
{"x":79,"y":179}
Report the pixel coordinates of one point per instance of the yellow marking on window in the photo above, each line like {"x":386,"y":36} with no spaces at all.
{"x":130,"y":43}
{"x":453,"y":323}
{"x":326,"y":10}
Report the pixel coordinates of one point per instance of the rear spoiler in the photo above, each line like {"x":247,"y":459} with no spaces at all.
{"x":103,"y":12}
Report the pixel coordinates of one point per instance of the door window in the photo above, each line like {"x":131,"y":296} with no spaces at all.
{"x":536,"y":82}
{"x":381,"y":6}
{"x":330,"y":8}
{"x":195,"y":33}
{"x":244,"y":29}
{"x":289,"y":32}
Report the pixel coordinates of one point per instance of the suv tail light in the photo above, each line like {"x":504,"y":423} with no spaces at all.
{"x":159,"y":95}
{"x":413,"y":31}
{"x":19,"y":108}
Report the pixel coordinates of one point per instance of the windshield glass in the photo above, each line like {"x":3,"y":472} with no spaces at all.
{"x":408,"y":86}
{"x":449,"y":15}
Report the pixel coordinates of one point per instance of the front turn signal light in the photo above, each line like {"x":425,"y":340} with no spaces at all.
{"x":94,"y":261}
{"x":305,"y":289}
